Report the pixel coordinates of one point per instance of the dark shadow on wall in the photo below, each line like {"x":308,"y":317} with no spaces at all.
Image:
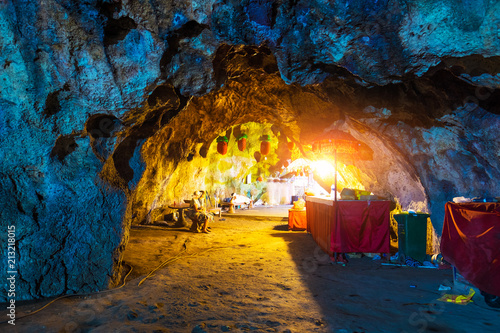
{"x":64,"y":145}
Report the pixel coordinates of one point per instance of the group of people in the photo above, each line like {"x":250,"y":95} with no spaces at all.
{"x":198,"y":213}
{"x":201,"y":217}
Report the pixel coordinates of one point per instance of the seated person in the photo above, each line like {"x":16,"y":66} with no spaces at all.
{"x":198,"y":215}
{"x":203,"y":204}
{"x":236,"y":200}
{"x":240,"y":200}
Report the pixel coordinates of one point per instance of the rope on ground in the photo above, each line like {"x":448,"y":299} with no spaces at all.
{"x":169,"y":260}
{"x":177,"y":257}
{"x":72,"y":295}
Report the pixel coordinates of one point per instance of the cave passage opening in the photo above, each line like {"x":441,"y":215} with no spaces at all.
{"x":250,"y":159}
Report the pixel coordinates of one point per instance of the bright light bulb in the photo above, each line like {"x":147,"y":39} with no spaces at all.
{"x":323,"y":168}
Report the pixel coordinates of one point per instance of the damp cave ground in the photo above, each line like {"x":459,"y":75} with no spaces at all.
{"x":253,"y":275}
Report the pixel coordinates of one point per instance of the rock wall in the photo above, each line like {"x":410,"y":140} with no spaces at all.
{"x":104,"y":101}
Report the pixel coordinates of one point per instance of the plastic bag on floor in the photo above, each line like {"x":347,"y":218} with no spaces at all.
{"x":412,"y":262}
{"x":458,"y":299}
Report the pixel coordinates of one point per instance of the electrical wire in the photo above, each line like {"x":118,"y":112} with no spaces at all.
{"x":72,"y":295}
{"x":169,"y":260}
{"x":177,"y":257}
{"x":163,"y":264}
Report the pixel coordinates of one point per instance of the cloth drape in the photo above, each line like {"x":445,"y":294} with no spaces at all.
{"x":361,"y":226}
{"x":297,"y":220}
{"x":471,"y":242}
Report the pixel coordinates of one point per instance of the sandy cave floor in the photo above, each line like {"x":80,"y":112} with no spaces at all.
{"x":253,"y":275}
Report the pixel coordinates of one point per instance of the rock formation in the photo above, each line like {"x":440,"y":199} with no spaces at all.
{"x":109,"y":110}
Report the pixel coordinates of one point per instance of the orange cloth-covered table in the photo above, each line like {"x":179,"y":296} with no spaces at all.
{"x":349,"y":226}
{"x":297,"y":219}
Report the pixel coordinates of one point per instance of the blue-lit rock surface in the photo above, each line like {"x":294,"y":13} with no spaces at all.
{"x":108,"y":109}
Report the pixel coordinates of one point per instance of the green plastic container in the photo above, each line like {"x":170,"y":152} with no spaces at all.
{"x":412,"y":235}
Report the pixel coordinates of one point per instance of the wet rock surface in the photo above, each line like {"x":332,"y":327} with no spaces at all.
{"x":108,"y":110}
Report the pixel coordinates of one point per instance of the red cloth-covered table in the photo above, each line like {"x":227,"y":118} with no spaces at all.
{"x":360,"y":226}
{"x":297,"y":220}
{"x":471,"y":242}
{"x":319,"y":221}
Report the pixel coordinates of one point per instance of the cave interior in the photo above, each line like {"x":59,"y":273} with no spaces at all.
{"x":112,"y":110}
